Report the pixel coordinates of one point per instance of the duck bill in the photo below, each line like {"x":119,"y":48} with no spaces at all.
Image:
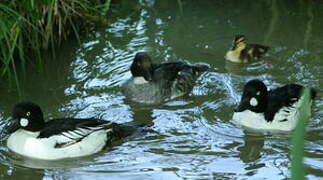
{"x":13,"y":126}
{"x":242,"y":106}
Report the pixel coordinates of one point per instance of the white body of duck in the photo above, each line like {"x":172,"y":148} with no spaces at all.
{"x":26,"y":143}
{"x":60,"y":138}
{"x":274,"y":110}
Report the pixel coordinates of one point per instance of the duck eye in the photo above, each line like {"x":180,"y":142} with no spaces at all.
{"x":258,"y":93}
{"x":28,"y":114}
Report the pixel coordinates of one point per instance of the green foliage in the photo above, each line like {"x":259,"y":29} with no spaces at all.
{"x":298,"y":172}
{"x":30,"y":26}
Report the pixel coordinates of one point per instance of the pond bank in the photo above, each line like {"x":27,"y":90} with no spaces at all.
{"x":28,"y":28}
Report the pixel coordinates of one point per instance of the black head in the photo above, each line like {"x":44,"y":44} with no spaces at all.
{"x":142,"y":66}
{"x":254,"y":97}
{"x":238,"y":41}
{"x":29,"y":116}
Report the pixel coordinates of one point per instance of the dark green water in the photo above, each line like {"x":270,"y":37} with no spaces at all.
{"x":194,"y":137}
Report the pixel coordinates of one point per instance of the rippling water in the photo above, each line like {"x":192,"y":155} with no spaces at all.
{"x":193,"y":136}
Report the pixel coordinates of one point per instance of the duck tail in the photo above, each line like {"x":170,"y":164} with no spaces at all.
{"x":266,"y":48}
{"x":200,"y":67}
{"x":262,"y":49}
{"x":121,"y":131}
{"x":130,"y":129}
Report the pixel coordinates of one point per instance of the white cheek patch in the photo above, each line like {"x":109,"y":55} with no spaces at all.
{"x":24,"y":122}
{"x":253,"y":102}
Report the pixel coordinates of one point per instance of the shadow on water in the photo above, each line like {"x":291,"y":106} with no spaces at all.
{"x":192,"y":137}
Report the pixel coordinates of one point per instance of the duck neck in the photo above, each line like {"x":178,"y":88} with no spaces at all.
{"x":139,"y":80}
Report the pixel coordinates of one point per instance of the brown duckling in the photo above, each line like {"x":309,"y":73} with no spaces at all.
{"x":241,"y":52}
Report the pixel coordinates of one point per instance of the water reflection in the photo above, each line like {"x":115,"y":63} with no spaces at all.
{"x":252,"y":148}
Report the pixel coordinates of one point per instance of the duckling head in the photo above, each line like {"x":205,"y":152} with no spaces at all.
{"x":29,"y":116}
{"x":239,"y":42}
{"x":142,"y":66}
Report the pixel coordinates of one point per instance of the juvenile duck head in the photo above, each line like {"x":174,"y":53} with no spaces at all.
{"x":142,"y":66}
{"x":239,"y":42}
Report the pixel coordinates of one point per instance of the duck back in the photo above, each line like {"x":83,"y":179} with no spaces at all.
{"x":169,"y":81}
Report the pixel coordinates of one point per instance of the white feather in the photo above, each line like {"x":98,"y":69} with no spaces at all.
{"x":253,"y":102}
{"x":24,"y":122}
{"x":26,"y":143}
{"x":139,"y":80}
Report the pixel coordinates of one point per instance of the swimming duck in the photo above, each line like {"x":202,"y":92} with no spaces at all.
{"x":60,"y":138}
{"x":241,"y":52}
{"x":154,"y":83}
{"x":276,"y":109}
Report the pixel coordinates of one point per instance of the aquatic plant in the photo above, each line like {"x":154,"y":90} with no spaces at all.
{"x":297,"y":153}
{"x":29,"y":27}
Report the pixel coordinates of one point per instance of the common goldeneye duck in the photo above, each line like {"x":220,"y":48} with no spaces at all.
{"x":241,"y":52}
{"x":60,"y":138}
{"x":154,"y":83}
{"x":277,"y":109}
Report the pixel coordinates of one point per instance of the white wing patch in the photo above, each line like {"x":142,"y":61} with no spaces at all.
{"x":71,"y":137}
{"x":286,"y":114}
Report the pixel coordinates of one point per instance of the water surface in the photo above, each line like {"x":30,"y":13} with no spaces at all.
{"x":193,"y":136}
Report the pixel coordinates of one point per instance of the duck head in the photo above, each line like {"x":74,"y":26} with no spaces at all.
{"x":142,"y":66}
{"x":29,"y":116}
{"x":254,"y":97}
{"x":239,"y":42}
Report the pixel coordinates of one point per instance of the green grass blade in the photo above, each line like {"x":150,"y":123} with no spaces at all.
{"x":297,"y":169}
{"x":180,"y":6}
{"x":33,"y":27}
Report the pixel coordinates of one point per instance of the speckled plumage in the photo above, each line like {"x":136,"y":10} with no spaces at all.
{"x":242,"y":52}
{"x":154,"y":83}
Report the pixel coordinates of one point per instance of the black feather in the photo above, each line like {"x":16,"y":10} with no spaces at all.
{"x":172,"y":70}
{"x":284,"y":96}
{"x":58,"y":126}
{"x":164,"y":79}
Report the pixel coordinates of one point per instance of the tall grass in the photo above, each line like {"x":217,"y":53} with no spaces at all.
{"x":28,"y":27}
{"x":297,"y":169}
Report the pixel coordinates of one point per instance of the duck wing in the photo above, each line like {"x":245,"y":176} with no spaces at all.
{"x":168,"y":71}
{"x":66,"y":132}
{"x":256,"y":50}
{"x":282,"y":101}
{"x":172,"y":70}
{"x":177,"y":78}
